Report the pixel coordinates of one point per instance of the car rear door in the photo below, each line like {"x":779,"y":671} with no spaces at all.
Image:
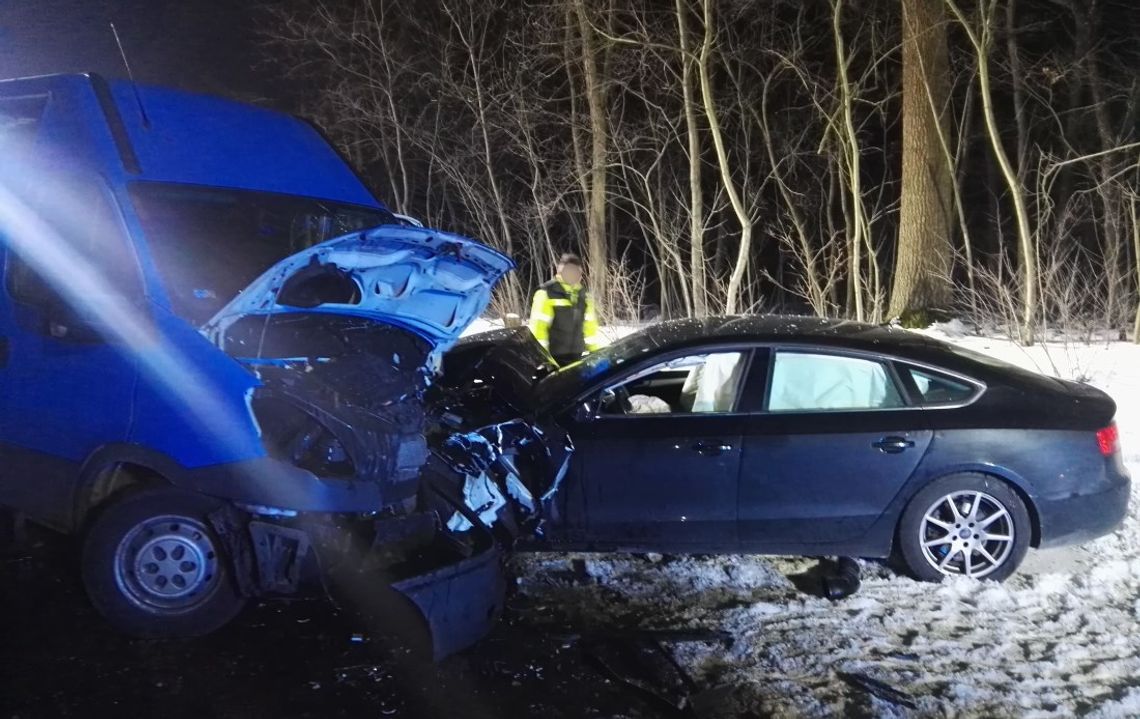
{"x":658,"y":482}
{"x":833,"y":443}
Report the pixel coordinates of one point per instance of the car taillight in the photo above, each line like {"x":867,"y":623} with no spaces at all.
{"x":1109,"y":440}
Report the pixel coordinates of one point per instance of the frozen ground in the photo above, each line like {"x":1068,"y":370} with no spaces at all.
{"x":1060,"y":638}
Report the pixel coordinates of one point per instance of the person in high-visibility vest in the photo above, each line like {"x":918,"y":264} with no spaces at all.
{"x":562,"y":315}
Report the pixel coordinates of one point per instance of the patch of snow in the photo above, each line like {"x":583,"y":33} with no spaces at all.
{"x":952,"y":329}
{"x":481,"y":325}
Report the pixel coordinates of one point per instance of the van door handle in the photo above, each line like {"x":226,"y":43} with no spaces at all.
{"x":3,"y":351}
{"x":711,"y":448}
{"x":893,"y":445}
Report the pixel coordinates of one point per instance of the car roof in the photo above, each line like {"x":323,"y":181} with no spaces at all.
{"x":786,"y":328}
{"x":838,"y":334}
{"x":673,"y":336}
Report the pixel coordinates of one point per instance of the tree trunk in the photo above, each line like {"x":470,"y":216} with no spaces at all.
{"x":922,"y":266}
{"x":597,"y":242}
{"x":696,"y":200}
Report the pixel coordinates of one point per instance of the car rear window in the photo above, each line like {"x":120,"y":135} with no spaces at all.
{"x":1007,"y":370}
{"x":938,"y":389}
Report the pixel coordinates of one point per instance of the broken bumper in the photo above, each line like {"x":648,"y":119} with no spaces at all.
{"x":459,"y":603}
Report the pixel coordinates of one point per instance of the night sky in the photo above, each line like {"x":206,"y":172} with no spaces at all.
{"x":202,"y":45}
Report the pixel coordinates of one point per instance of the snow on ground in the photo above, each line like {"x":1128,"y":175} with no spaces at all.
{"x":1060,"y":638}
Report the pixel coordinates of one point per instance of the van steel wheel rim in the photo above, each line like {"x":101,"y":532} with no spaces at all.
{"x":966,"y":533}
{"x":167,"y":565}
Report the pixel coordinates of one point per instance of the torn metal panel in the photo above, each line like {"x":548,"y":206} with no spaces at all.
{"x":353,"y":410}
{"x":512,"y":466}
{"x":280,"y":553}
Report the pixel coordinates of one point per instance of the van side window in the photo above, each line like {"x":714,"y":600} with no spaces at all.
{"x":82,"y":226}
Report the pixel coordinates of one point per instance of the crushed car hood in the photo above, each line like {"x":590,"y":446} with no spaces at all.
{"x":509,"y":359}
{"x":432,"y":283}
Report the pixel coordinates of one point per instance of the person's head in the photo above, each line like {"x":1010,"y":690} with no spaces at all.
{"x":570,"y":268}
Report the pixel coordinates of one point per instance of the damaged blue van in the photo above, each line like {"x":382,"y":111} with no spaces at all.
{"x":215,"y":348}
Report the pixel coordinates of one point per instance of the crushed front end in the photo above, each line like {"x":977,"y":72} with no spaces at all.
{"x":493,"y":450}
{"x":377,"y":485}
{"x":342,"y":403}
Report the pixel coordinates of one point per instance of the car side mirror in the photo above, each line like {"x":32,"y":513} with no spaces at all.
{"x":586,"y":411}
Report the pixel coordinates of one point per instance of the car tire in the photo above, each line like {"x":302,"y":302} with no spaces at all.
{"x":155,"y":569}
{"x":964,"y":524}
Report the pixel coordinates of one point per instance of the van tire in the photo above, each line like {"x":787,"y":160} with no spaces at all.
{"x":154,"y":568}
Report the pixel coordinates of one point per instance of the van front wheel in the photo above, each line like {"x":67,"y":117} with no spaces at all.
{"x":154,"y":568}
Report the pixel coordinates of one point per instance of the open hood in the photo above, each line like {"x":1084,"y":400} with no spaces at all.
{"x":432,"y":283}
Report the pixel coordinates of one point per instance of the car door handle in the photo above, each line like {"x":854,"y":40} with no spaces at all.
{"x":3,"y":351}
{"x":711,"y":448}
{"x":893,"y":445}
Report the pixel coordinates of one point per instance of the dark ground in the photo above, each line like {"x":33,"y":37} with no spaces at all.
{"x":298,"y":659}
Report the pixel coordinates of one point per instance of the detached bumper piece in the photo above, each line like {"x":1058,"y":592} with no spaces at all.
{"x":406,"y":577}
{"x":460,"y":603}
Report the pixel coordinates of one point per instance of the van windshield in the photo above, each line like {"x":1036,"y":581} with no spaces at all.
{"x":209,"y":243}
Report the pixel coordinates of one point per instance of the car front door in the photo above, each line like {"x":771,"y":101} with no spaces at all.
{"x":655,"y":466}
{"x":834,"y":444}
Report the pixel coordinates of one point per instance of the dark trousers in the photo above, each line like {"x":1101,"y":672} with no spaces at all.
{"x":564,"y":360}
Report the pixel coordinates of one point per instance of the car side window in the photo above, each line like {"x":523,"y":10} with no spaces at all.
{"x":938,"y":389}
{"x":695,"y":384}
{"x":805,"y":381}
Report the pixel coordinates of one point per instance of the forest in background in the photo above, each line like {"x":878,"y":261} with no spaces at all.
{"x":866,"y":159}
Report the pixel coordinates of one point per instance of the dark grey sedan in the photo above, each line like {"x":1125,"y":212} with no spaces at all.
{"x":790,"y":435}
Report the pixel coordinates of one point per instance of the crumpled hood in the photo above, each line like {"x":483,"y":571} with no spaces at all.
{"x":433,"y":283}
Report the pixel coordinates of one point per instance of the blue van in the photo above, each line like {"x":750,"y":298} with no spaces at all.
{"x":214,"y":349}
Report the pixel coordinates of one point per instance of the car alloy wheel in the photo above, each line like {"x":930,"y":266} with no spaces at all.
{"x":967,"y":533}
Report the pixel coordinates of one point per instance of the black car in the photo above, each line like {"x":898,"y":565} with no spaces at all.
{"x":789,"y":435}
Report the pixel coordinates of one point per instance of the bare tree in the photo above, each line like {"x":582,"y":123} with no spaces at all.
{"x":596,"y":91}
{"x":696,"y":190}
{"x":981,"y":38}
{"x":670,"y":143}
{"x":743,"y":217}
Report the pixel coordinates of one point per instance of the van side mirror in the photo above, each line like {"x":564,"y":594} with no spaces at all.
{"x":64,"y":324}
{"x":46,"y":311}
